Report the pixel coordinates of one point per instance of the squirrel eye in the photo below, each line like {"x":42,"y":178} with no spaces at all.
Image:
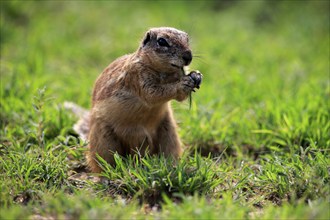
{"x":162,"y":42}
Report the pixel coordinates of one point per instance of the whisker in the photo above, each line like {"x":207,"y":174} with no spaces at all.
{"x":199,"y":58}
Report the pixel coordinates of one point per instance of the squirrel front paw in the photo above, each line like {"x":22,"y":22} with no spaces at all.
{"x":197,"y":77}
{"x":188,"y":84}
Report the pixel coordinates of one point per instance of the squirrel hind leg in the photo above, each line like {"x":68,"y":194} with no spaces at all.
{"x":168,"y":141}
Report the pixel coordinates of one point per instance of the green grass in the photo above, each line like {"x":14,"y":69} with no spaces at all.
{"x":256,"y":137}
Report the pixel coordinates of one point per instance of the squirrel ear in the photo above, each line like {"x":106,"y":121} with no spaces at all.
{"x":146,"y":39}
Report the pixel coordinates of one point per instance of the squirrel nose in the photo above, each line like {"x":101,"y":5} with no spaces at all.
{"x":187,"y":57}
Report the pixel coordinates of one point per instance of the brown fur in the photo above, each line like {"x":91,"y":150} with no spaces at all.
{"x":130,"y":104}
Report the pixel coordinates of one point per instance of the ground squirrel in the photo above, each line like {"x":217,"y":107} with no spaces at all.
{"x":130,"y":104}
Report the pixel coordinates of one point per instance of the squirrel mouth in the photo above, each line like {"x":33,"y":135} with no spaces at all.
{"x":177,"y":66}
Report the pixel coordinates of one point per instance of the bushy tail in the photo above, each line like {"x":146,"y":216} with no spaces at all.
{"x":82,"y":126}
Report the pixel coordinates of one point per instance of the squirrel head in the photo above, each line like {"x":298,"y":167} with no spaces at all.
{"x":166,"y":48}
